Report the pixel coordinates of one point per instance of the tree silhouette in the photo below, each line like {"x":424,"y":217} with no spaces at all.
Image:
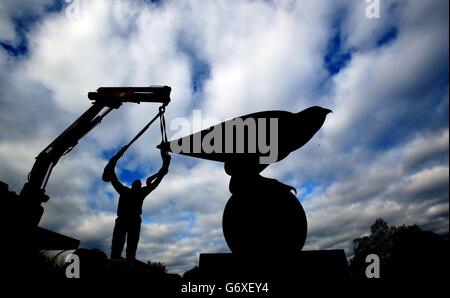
{"x":404,"y":251}
{"x":157,"y":266}
{"x":192,"y":274}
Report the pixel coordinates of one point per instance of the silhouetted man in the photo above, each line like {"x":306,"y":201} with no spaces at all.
{"x":129,"y":209}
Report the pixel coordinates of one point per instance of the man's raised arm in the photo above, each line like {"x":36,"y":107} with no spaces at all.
{"x":109,"y":174}
{"x":154,"y":180}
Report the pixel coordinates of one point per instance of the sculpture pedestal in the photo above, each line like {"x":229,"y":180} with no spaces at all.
{"x":305,"y":265}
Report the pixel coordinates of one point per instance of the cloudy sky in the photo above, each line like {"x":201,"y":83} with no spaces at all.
{"x":384,"y":152}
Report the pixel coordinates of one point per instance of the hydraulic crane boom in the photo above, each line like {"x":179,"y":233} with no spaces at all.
{"x":104,"y":101}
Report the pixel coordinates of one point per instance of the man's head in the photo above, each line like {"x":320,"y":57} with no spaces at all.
{"x":136,"y":185}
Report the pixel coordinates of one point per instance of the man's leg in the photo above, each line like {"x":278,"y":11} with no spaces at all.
{"x":133,"y":238}
{"x":118,"y":239}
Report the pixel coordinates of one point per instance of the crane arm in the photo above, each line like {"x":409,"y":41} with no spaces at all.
{"x":104,"y":101}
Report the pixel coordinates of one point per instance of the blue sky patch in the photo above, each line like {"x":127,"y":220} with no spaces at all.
{"x":305,"y":189}
{"x":387,"y":37}
{"x":200,"y":69}
{"x":336,"y":58}
{"x":16,"y":51}
{"x":22,"y":25}
{"x":128,"y":176}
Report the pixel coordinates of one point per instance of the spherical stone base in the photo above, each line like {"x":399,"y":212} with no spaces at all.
{"x":268,"y":221}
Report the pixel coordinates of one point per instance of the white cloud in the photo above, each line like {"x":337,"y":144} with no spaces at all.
{"x":427,"y":181}
{"x":427,"y":148}
{"x":361,"y":32}
{"x":18,"y":9}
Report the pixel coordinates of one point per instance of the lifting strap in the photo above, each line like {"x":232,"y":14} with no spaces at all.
{"x":162,"y":121}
